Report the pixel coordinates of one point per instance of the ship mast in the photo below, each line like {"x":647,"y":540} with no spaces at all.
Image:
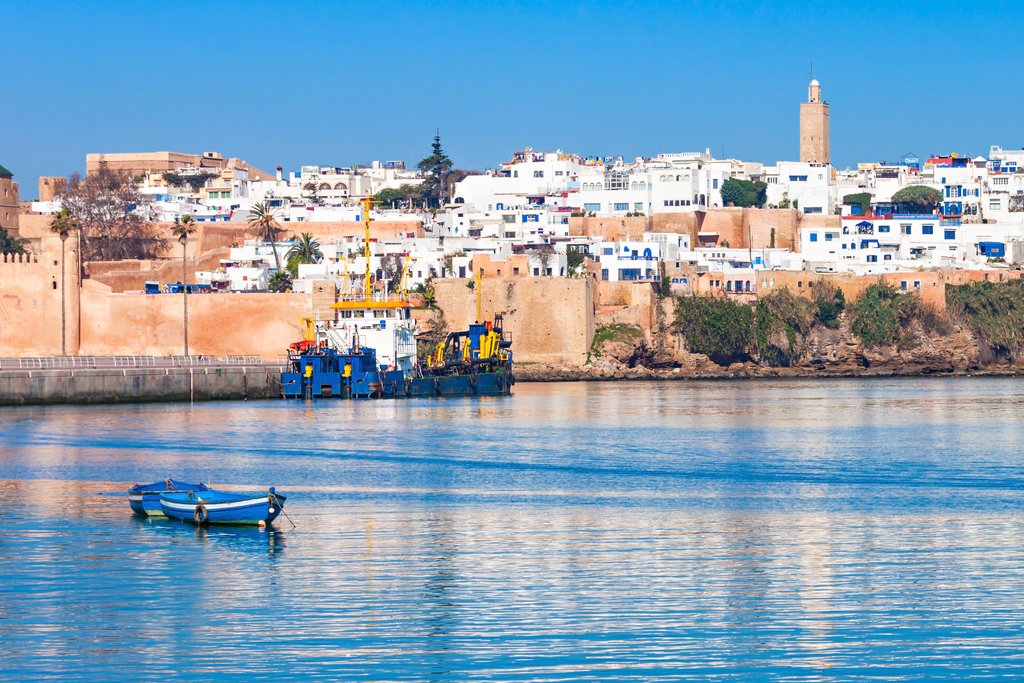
{"x":367,"y":291}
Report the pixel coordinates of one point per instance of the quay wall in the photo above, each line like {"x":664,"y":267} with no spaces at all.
{"x":134,"y":385}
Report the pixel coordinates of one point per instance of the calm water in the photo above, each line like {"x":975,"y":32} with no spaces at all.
{"x":798,"y":531}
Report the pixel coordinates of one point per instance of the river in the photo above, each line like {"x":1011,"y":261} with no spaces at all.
{"x":637,"y":531}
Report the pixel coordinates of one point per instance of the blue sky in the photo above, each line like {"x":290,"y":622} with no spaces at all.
{"x":338,"y":83}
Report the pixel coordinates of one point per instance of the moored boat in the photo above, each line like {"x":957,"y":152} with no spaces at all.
{"x":145,"y":498}
{"x":222,"y":507}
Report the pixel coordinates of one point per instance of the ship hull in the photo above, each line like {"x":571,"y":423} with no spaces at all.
{"x":395,"y":385}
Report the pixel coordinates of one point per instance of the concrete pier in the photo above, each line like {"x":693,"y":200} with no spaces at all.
{"x":139,"y":384}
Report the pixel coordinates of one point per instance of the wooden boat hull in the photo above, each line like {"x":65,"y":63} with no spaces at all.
{"x":221,"y":507}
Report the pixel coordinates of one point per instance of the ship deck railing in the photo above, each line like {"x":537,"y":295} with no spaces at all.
{"x":117,"y":362}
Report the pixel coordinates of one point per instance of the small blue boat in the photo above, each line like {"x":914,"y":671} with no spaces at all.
{"x":222,"y":507}
{"x":145,"y":498}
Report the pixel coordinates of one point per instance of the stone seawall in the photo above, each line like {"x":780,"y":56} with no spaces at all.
{"x":136,"y":385}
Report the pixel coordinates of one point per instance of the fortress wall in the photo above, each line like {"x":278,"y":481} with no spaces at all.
{"x":550,"y":319}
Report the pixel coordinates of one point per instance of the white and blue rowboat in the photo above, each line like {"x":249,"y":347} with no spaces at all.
{"x":222,"y":507}
{"x":145,"y":498}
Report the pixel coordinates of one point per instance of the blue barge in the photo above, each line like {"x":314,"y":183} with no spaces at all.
{"x":473,"y":362}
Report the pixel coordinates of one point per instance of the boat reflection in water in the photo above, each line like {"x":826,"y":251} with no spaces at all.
{"x":241,"y":539}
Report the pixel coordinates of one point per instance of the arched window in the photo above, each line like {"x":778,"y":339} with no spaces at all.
{"x":643,"y":185}
{"x":325,"y":186}
{"x":341,"y":186}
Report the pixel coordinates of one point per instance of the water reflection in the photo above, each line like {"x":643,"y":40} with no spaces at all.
{"x":706,"y":531}
{"x":241,"y":539}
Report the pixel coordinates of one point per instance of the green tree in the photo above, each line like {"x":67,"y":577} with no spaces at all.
{"x":280,"y":282}
{"x":263,"y":224}
{"x":184,"y":227}
{"x":718,"y":328}
{"x":305,"y":250}
{"x":830,"y":302}
{"x":881,"y":313}
{"x":12,"y":245}
{"x":863,"y":199}
{"x":738,"y":192}
{"x":437,"y":167}
{"x":62,"y":224}
{"x":917,"y":199}
{"x":574,"y":258}
{"x":781,"y":319}
{"x":195,"y":181}
{"x":396,"y":197}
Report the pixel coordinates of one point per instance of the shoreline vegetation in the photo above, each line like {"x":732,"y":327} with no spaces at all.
{"x":884,"y":332}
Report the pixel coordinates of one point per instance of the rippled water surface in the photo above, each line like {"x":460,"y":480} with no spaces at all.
{"x":798,"y":531}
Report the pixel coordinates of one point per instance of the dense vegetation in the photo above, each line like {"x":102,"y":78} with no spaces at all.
{"x":774,"y":329}
{"x":781,"y":319}
{"x":718,"y":328}
{"x":917,"y":199}
{"x":12,"y":245}
{"x":737,"y":192}
{"x":830,"y":302}
{"x":862,"y":199}
{"x":994,"y":311}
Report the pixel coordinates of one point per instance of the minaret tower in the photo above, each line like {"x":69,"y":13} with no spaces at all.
{"x":814,"y":127}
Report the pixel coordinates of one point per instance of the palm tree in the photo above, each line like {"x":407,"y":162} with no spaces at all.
{"x":263,"y":224}
{"x":63,"y":224}
{"x":281,"y":281}
{"x":305,"y":250}
{"x":184,"y":227}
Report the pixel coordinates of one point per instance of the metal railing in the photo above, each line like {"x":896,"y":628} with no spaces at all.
{"x":109,"y":362}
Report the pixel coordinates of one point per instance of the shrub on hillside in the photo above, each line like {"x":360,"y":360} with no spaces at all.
{"x":882,"y":314}
{"x":781,"y":319}
{"x":829,"y":302}
{"x":718,"y":328}
{"x":994,"y":311}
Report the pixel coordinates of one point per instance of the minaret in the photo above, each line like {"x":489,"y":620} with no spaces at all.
{"x":814,"y":127}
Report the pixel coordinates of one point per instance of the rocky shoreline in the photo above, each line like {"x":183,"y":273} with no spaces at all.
{"x":825,"y":354}
{"x":542,"y":372}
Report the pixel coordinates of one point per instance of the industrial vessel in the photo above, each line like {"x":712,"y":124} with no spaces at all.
{"x":368,"y":349}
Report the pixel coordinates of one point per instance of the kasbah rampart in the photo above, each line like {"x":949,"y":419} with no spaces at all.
{"x":552,"y":320}
{"x":598,"y":320}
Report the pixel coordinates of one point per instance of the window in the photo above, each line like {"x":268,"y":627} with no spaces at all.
{"x":714,"y":184}
{"x":887,"y":257}
{"x":994,"y":204}
{"x":812,"y":209}
{"x":950,"y":234}
{"x":538,"y":174}
{"x":872,"y":258}
{"x":905,"y":228}
{"x":903,"y":285}
{"x":797,"y":178}
{"x":592,"y":207}
{"x":927,"y":229}
{"x":621,"y":206}
{"x":814,"y":237}
{"x":638,"y":206}
{"x":830,"y":236}
{"x":616,"y":180}
{"x":883,"y":228}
